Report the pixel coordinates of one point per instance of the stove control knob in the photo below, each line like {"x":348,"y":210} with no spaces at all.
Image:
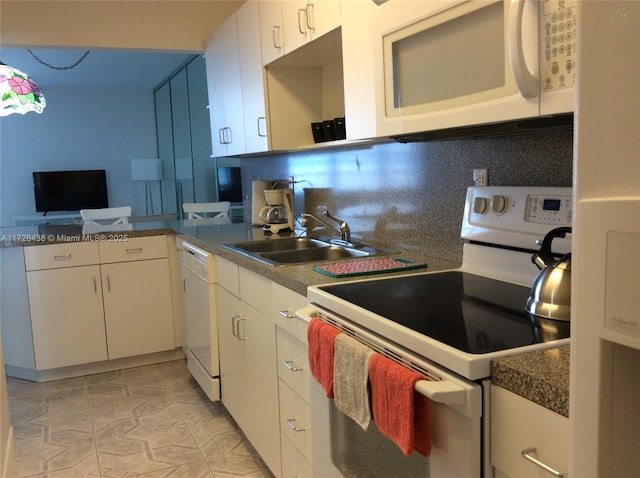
{"x":499,"y":204}
{"x":479,"y":205}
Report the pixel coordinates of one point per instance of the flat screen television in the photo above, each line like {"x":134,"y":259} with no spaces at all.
{"x":229,"y":184}
{"x":70,"y":190}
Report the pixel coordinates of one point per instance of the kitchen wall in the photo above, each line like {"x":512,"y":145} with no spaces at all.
{"x":411,"y":196}
{"x":80,"y":129}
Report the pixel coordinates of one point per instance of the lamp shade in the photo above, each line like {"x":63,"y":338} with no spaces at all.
{"x":19,"y":93}
{"x":146,"y":169}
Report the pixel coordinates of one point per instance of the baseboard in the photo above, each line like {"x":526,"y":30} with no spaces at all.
{"x":93,"y":368}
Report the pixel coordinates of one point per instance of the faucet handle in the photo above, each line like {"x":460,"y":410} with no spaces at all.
{"x":345,"y":231}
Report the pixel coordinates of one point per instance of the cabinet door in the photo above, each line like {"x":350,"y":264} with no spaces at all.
{"x":233,"y":363}
{"x":253,"y":99}
{"x":258,"y":333}
{"x":248,"y":374}
{"x":138,"y":307}
{"x":323,"y":16}
{"x":358,"y":63}
{"x":295,"y":24}
{"x":67,"y":316}
{"x":271,"y":32}
{"x":225,"y":92}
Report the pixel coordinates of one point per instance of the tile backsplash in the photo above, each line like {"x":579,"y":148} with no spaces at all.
{"x":411,"y":196}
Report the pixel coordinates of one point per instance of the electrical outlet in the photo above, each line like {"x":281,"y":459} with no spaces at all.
{"x":481,"y":177}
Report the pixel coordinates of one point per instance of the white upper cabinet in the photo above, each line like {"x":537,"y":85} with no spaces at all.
{"x":235,"y":84}
{"x":358,"y":69}
{"x":287,"y":25}
{"x":251,"y":77}
{"x":225,"y":92}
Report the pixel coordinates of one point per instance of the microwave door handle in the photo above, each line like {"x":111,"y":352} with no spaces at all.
{"x":525,"y":80}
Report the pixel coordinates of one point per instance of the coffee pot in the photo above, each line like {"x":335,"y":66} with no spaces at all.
{"x":278,"y":214}
{"x":549,"y":304}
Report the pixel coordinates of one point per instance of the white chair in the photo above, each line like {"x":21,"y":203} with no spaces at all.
{"x":106,"y":219}
{"x":106,"y":216}
{"x":199,"y":210}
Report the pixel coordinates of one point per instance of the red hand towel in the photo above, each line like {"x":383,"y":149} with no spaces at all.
{"x":321,"y":337}
{"x":393,"y":405}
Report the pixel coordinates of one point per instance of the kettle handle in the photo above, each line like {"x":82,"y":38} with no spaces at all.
{"x":544,"y":256}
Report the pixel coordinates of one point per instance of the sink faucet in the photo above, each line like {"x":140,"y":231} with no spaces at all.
{"x":344,"y":232}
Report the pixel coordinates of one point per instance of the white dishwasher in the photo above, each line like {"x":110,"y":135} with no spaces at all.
{"x":201,"y":328}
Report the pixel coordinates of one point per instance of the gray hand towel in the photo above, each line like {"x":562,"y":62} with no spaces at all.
{"x":350,"y":379}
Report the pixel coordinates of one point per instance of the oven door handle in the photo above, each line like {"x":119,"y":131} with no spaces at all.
{"x":442,"y":392}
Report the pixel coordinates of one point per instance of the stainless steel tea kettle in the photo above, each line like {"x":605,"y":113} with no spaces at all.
{"x":551,"y":291}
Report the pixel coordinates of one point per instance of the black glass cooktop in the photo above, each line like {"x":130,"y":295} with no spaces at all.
{"x":466,"y":311}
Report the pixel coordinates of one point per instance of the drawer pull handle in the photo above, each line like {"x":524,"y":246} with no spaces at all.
{"x":289,"y":364}
{"x":287,"y":315}
{"x":291,"y":422}
{"x":135,"y":250}
{"x":65,"y":257}
{"x":528,"y":453}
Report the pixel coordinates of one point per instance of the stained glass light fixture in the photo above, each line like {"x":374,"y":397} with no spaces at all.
{"x":19,"y":93}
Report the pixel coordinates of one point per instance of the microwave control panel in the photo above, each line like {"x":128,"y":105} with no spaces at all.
{"x":558,"y":44}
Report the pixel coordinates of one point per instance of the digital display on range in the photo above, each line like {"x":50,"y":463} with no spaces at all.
{"x":551,"y":204}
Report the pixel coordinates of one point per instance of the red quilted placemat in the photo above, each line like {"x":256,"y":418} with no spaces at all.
{"x":367,"y":266}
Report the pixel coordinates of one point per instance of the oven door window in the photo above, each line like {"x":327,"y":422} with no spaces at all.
{"x":342,"y":449}
{"x":360,"y":454}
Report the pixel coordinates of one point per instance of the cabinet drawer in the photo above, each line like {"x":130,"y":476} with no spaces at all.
{"x":55,"y":256}
{"x":518,"y":424}
{"x":293,"y":364}
{"x":294,"y":464}
{"x":295,"y":420}
{"x":227,"y":275}
{"x":284,"y":304}
{"x":133,"y":249}
{"x":255,"y":290}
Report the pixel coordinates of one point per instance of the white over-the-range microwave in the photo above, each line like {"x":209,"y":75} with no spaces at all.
{"x":452,"y":63}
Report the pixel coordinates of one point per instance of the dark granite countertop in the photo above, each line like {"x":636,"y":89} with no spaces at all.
{"x":208,"y":236}
{"x":541,"y":376}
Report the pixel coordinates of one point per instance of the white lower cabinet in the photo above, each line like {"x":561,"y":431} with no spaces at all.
{"x":519,"y":426}
{"x":294,"y":464}
{"x":294,"y":383}
{"x":138,"y":312}
{"x":67,"y":317}
{"x":93,"y":301}
{"x":248,"y":374}
{"x":295,"y":409}
{"x":264,"y":370}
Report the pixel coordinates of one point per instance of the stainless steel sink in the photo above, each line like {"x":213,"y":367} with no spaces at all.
{"x":302,"y":250}
{"x":315,"y":254}
{"x":284,"y":244}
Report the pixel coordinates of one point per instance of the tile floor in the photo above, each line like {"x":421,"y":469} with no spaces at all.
{"x":150,"y":422}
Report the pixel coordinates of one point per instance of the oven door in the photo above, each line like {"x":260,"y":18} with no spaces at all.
{"x":342,"y":449}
